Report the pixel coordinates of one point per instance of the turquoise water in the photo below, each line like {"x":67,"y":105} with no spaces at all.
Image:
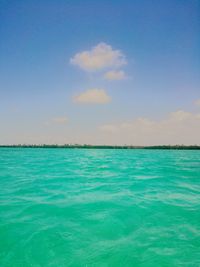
{"x":89,"y":207}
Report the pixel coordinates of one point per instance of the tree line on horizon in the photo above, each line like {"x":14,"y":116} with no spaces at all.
{"x":102,"y":146}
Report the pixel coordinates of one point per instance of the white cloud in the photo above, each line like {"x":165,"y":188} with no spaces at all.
{"x":115,"y":75}
{"x":99,"y":57}
{"x":179,"y":127}
{"x":109,"y":128}
{"x":93,"y":96}
{"x":57,"y":120}
{"x":197,"y":102}
{"x":60,"y":120}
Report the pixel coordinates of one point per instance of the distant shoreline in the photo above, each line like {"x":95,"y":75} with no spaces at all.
{"x":177,"y":147}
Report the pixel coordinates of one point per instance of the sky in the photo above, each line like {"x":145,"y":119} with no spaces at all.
{"x":100,"y":72}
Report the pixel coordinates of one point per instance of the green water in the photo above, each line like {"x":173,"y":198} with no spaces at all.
{"x":79,"y":207}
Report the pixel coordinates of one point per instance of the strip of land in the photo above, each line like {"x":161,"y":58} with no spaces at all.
{"x":179,"y":147}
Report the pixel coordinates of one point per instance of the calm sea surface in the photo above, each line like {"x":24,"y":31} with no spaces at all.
{"x":90,"y":207}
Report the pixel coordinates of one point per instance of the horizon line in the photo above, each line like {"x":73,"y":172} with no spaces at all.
{"x":177,"y":146}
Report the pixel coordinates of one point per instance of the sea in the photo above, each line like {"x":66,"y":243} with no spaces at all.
{"x":99,"y":207}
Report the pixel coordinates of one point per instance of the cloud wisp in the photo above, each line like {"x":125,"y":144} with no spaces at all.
{"x":115,"y":75}
{"x":92,"y":96}
{"x":100,"y":57}
{"x":57,"y":120}
{"x":179,"y":127}
{"x":63,"y":120}
{"x":197,"y":102}
{"x":60,"y":120}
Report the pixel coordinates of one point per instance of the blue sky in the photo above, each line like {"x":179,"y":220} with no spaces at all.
{"x":100,"y":71}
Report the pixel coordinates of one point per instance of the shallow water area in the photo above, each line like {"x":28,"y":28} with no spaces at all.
{"x":99,"y":207}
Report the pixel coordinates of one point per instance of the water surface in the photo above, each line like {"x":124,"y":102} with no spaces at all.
{"x":90,"y":207}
